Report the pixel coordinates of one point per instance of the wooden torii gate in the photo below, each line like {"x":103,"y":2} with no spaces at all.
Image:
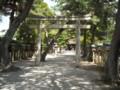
{"x":76,"y":26}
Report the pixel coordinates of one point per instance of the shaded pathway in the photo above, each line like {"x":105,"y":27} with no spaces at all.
{"x":58,"y":73}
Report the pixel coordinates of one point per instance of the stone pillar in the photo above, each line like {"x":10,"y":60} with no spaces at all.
{"x":78,"y":57}
{"x":38,"y":52}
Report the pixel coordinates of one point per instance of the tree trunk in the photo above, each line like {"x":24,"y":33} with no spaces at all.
{"x":112,"y":60}
{"x":50,"y":45}
{"x":11,"y":17}
{"x":38,"y":52}
{"x":89,"y":56}
{"x":84,"y":45}
{"x":4,"y":56}
{"x":78,"y":47}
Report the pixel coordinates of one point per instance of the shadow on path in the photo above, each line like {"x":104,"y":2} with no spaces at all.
{"x":57,"y":73}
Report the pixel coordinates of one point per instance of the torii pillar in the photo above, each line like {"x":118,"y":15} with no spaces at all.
{"x":38,"y":53}
{"x":78,"y":57}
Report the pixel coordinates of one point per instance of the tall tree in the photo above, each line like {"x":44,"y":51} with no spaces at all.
{"x":103,"y":12}
{"x":4,"y":56}
{"x":112,"y":60}
{"x":29,"y":35}
{"x":51,"y":45}
{"x":84,"y":45}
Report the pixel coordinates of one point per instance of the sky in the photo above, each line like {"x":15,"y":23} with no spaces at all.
{"x":50,"y":3}
{"x":4,"y":24}
{"x":5,"y":20}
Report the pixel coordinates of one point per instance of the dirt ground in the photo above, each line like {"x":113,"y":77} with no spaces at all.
{"x":57,"y":73}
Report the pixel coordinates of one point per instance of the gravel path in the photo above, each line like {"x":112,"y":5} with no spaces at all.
{"x":57,"y":73}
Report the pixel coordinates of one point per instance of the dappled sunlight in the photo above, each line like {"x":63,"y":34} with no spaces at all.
{"x":57,"y":73}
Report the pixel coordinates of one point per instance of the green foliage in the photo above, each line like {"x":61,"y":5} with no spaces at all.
{"x":7,"y":6}
{"x":48,"y":35}
{"x":53,"y":32}
{"x":104,"y":12}
{"x":42,"y":9}
{"x":107,"y":40}
{"x":28,"y":35}
{"x":95,"y":19}
{"x":63,"y":38}
{"x":25,"y":34}
{"x":103,"y":16}
{"x":73,"y":7}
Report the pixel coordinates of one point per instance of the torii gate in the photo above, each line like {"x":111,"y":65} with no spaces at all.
{"x":76,"y":26}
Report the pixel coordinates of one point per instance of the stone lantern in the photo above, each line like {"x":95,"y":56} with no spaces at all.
{"x":55,"y":48}
{"x":28,"y":50}
{"x":93,"y":48}
{"x":99,"y":46}
{"x":107,"y":46}
{"x":12,"y":46}
{"x":35,"y":48}
{"x":24,"y":46}
{"x":106,"y":50}
{"x":28,"y":47}
{"x":12,"y":51}
{"x":99,"y":53}
{"x":93,"y":53}
{"x":23,"y":51}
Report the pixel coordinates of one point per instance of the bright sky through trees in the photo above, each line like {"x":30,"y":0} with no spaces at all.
{"x":52,"y":4}
{"x":5,"y":23}
{"x":5,"y":20}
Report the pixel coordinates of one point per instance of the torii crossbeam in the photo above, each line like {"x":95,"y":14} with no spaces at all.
{"x":76,"y":26}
